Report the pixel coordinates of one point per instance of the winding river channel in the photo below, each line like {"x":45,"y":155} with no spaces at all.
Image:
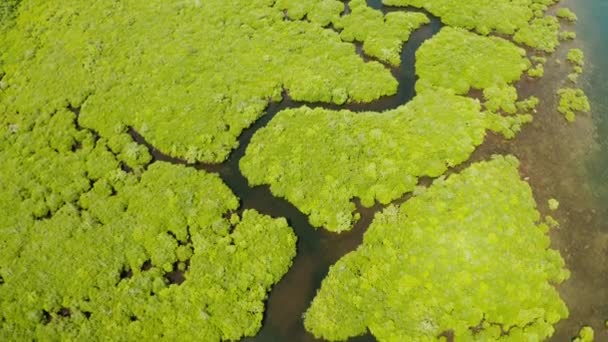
{"x":558,"y":159}
{"x":317,"y":249}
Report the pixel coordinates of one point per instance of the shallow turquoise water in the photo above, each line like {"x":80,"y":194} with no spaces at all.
{"x":593,"y":33}
{"x":581,"y":179}
{"x":592,"y":30}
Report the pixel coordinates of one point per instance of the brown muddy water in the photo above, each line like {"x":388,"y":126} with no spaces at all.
{"x":566,"y":161}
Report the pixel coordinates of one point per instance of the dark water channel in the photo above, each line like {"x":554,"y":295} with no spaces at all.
{"x":317,"y":249}
{"x":561,"y":160}
{"x":569,"y":162}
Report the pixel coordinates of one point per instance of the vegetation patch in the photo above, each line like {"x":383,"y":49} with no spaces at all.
{"x":525,"y":20}
{"x":576,"y":57}
{"x":572,"y":100}
{"x":567,"y":35}
{"x":100,"y":242}
{"x":538,"y":70}
{"x":464,"y":256}
{"x":382,"y":36}
{"x":542,"y":33}
{"x":503,"y":16}
{"x":99,"y":245}
{"x":586,"y":334}
{"x":322,"y":12}
{"x":460,"y":60}
{"x":189,"y":77}
{"x":320,"y":159}
{"x":567,"y":14}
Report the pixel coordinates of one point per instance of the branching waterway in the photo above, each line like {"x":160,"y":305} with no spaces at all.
{"x":545,"y":148}
{"x":66,"y":174}
{"x":317,"y":249}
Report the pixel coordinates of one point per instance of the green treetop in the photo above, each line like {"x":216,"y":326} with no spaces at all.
{"x":87,"y":249}
{"x":572,"y":100}
{"x":524,"y":18}
{"x":322,"y":12}
{"x":542,"y":33}
{"x":576,"y":57}
{"x":460,"y":60}
{"x":465,"y":256}
{"x":567,"y":14}
{"x":586,"y":334}
{"x":188,"y":76}
{"x":382,"y":36}
{"x":320,"y":159}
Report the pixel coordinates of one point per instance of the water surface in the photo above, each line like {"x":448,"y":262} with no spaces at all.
{"x":566,"y":161}
{"x":579,"y":179}
{"x":317,"y":248}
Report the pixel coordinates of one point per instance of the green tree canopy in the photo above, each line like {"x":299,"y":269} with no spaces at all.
{"x":525,"y":19}
{"x":467,"y":255}
{"x":205,"y":70}
{"x":320,"y":159}
{"x":87,"y":250}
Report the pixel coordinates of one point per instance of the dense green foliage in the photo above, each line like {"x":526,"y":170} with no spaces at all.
{"x":576,"y":57}
{"x":466,"y":255}
{"x":320,"y":159}
{"x":86,"y":249}
{"x":7,"y":10}
{"x":97,"y":242}
{"x":572,"y":100}
{"x":457,"y":59}
{"x":503,"y":100}
{"x":586,"y":334}
{"x":553,"y":204}
{"x":542,"y":33}
{"x":566,"y":13}
{"x":523,"y":18}
{"x":538,"y":69}
{"x":322,"y":12}
{"x":567,"y":35}
{"x":503,"y":16}
{"x":382,"y":36}
{"x":203,"y":71}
